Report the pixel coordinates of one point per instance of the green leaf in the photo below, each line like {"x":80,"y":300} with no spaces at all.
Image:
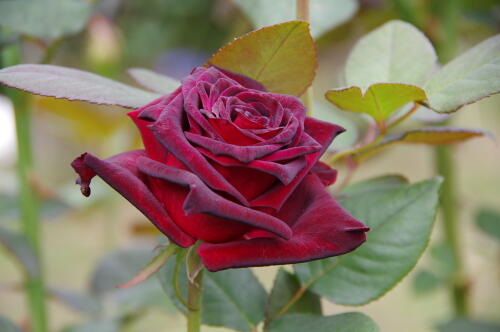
{"x":285,"y":287}
{"x":347,"y":322}
{"x":21,"y":249}
{"x":401,"y":219}
{"x":80,"y":302}
{"x":396,"y":52}
{"x":233,"y":298}
{"x":374,"y":184}
{"x":380,"y":100}
{"x":489,"y":222}
{"x":282,"y":57}
{"x":324,"y":14}
{"x":152,"y":267}
{"x":48,"y":19}
{"x":430,"y":136}
{"x":467,"y":78}
{"x":73,"y":84}
{"x":425,"y":282}
{"x":118,"y":267}
{"x":7,"y":326}
{"x":153,"y":81}
{"x":465,"y":325}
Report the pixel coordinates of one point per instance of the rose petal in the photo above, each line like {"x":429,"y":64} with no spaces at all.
{"x":120,"y":172}
{"x":232,"y":134}
{"x":286,"y":135}
{"x":326,"y":174}
{"x":323,"y":133}
{"x":244,"y":154}
{"x":292,"y":104}
{"x":321,"y":228}
{"x":143,"y":117}
{"x":283,"y":172}
{"x":203,"y":200}
{"x":169,"y":132}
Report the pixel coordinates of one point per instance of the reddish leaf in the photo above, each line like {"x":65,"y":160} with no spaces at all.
{"x":282,"y":57}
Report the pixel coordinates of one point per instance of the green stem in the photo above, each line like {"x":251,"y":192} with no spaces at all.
{"x":28,"y":199}
{"x":445,"y":167}
{"x":194,"y":303}
{"x":447,"y":44}
{"x":50,"y":51}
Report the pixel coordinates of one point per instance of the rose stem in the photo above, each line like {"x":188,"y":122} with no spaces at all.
{"x":303,"y":15}
{"x":35,"y":287}
{"x":449,"y":15}
{"x":194,"y":303}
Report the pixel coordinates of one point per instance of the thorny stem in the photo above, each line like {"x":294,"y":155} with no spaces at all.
{"x":35,"y":287}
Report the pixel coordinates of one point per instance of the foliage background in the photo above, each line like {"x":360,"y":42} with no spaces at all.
{"x":172,"y":37}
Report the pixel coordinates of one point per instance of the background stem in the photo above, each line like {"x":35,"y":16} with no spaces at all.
{"x":303,"y":10}
{"x":194,"y":303}
{"x":302,"y":7}
{"x":28,"y":199}
{"x":447,"y":45}
{"x":444,"y":167}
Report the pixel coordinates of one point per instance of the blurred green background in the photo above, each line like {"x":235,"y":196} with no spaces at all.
{"x":172,"y":37}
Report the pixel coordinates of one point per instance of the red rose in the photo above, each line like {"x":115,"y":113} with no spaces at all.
{"x":235,"y":166}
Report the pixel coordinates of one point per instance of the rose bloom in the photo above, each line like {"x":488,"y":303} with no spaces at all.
{"x":234,"y":166}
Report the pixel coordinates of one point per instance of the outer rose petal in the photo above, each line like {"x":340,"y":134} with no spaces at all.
{"x":326,"y":174}
{"x":120,"y":172}
{"x":143,"y":116}
{"x":321,"y":228}
{"x":202,"y":200}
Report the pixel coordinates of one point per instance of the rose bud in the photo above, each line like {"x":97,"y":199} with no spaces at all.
{"x":235,"y":166}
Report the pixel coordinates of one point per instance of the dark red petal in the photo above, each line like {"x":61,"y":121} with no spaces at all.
{"x":283,"y":172}
{"x":168,"y":131}
{"x":232,"y":134}
{"x":120,"y":172}
{"x":143,"y":117}
{"x":321,"y":228}
{"x":293,"y":104}
{"x":244,"y":154}
{"x":286,"y":135}
{"x":323,"y":133}
{"x":326,"y":174}
{"x":203,"y":200}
